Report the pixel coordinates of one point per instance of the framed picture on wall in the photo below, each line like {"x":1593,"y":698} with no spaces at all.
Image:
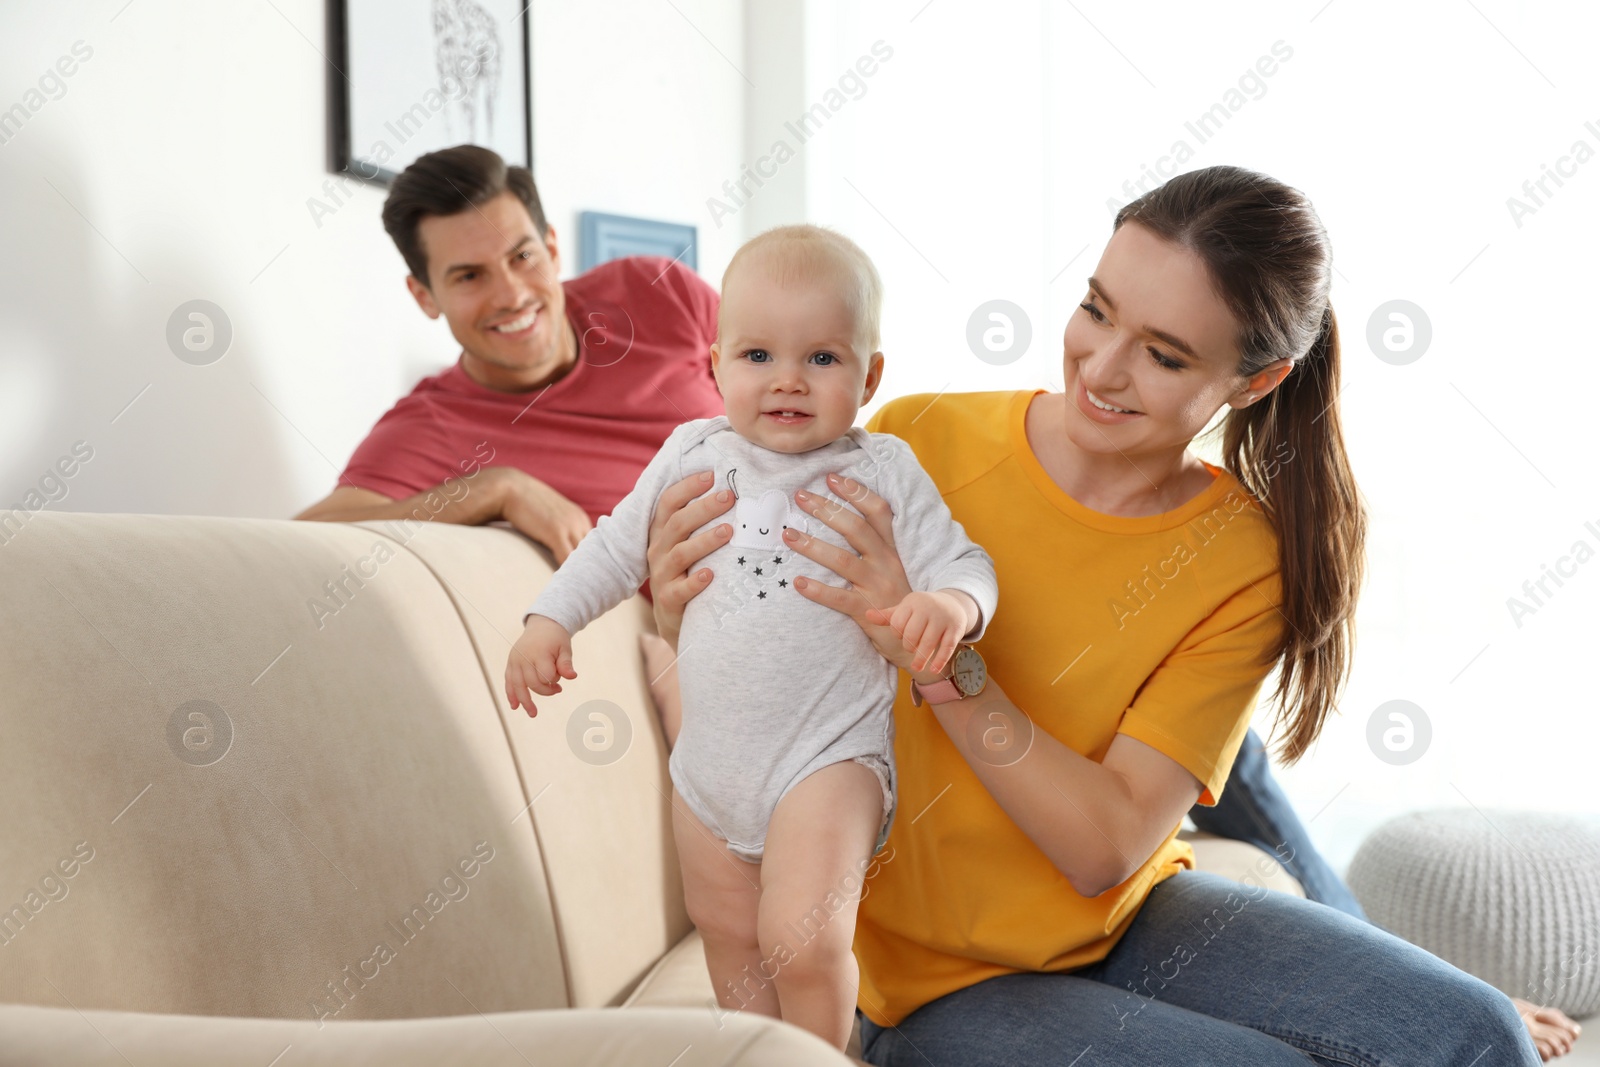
{"x":412,"y":76}
{"x":603,"y":237}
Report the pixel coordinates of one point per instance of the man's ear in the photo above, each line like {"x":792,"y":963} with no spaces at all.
{"x":423,"y":296}
{"x":874,"y":376}
{"x":1261,"y":383}
{"x":552,"y":248}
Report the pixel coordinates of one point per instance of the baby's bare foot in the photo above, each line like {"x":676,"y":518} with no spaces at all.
{"x":1553,"y":1033}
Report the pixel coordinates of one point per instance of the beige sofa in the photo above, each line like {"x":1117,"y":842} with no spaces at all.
{"x":266,"y":804}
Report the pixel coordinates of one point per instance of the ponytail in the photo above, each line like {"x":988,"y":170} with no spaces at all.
{"x":1270,"y":260}
{"x":1288,"y":450}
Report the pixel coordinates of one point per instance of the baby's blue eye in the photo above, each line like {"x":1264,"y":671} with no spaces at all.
{"x":753,"y":353}
{"x":832,"y":359}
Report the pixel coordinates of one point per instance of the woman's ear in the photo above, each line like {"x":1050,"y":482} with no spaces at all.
{"x":1261,"y":383}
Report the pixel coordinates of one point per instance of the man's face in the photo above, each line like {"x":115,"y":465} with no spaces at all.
{"x":496,"y":283}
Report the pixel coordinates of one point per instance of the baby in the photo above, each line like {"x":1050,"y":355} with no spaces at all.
{"x":783,"y":771}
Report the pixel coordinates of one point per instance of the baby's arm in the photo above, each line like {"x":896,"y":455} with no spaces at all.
{"x":606,"y":568}
{"x":609,"y":564}
{"x":539,"y":660}
{"x":935,"y":550}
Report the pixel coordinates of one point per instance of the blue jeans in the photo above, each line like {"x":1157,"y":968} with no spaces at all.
{"x":1253,"y":808}
{"x":1212,"y":971}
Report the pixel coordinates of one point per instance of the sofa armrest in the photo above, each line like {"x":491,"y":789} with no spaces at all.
{"x":580,"y":1037}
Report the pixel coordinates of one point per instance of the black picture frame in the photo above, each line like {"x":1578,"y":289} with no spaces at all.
{"x":351,"y":83}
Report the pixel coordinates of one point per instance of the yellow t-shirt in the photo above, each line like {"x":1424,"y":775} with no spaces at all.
{"x":1153,"y":626}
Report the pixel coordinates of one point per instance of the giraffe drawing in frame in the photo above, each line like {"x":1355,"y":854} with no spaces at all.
{"x":467,"y":52}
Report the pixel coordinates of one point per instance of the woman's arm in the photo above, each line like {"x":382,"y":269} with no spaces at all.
{"x":1098,"y":823}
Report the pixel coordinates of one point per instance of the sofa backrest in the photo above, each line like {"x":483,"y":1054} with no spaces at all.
{"x":267,"y":768}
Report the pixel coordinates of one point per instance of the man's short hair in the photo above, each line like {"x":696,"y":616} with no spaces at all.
{"x":448,"y":182}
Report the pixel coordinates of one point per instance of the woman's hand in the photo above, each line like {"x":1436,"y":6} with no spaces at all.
{"x":876,"y":578}
{"x":671,"y":551}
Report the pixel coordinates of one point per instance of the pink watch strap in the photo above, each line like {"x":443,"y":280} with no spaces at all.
{"x":937,"y":693}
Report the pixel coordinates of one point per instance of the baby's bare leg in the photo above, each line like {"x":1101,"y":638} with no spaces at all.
{"x":722,"y":893}
{"x":819,"y":844}
{"x":661,"y":670}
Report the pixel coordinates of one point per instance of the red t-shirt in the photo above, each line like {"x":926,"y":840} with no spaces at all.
{"x":645,"y":326}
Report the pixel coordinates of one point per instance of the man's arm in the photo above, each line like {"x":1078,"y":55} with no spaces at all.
{"x":489,"y":493}
{"x":466,"y":501}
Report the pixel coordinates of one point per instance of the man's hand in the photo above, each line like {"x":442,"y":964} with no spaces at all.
{"x":540,"y":512}
{"x":930,"y":625}
{"x":489,"y":493}
{"x":539,"y":660}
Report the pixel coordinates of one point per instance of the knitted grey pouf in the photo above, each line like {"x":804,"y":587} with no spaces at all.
{"x":1512,"y":897}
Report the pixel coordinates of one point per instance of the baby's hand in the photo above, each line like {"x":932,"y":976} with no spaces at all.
{"x":930,"y":625}
{"x":544,"y":651}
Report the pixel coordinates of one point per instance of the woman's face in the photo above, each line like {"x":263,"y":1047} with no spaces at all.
{"x":1154,"y":341}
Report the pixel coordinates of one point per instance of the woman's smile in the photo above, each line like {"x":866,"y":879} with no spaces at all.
{"x":1100,"y":409}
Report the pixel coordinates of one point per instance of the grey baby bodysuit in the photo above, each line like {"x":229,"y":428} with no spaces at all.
{"x":774,"y":686}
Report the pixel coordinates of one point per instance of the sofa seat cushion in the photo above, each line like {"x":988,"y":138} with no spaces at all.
{"x":1241,"y":861}
{"x":678,"y":980}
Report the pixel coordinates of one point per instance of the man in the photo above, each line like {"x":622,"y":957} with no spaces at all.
{"x":567,"y":388}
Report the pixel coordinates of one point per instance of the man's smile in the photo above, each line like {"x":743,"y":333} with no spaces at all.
{"x":519,"y":327}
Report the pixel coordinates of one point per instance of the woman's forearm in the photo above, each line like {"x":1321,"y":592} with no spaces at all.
{"x":1070,"y":806}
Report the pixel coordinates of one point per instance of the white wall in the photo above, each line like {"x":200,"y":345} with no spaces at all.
{"x":980,"y":162}
{"x":975,"y":163}
{"x":177,"y":164}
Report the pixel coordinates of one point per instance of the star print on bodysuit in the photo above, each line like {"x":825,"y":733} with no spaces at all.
{"x":764,"y":571}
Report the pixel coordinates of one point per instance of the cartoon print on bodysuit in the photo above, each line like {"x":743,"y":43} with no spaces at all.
{"x":759,"y":523}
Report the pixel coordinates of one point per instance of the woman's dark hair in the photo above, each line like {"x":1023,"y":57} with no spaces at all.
{"x":1269,"y":259}
{"x":447,"y":182}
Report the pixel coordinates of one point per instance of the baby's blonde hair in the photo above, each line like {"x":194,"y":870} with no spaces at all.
{"x":816,"y":253}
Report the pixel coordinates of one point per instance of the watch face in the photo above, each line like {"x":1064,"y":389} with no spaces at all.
{"x":969,"y":674}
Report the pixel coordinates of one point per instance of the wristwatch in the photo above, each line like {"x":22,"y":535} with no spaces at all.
{"x":968,"y":675}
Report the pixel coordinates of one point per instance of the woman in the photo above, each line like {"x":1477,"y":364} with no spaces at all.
{"x":1035,"y":902}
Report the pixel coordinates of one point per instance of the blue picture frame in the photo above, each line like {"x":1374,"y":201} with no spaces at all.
{"x":603,"y":237}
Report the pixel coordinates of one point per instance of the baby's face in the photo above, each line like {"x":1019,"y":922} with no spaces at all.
{"x":790,"y":349}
